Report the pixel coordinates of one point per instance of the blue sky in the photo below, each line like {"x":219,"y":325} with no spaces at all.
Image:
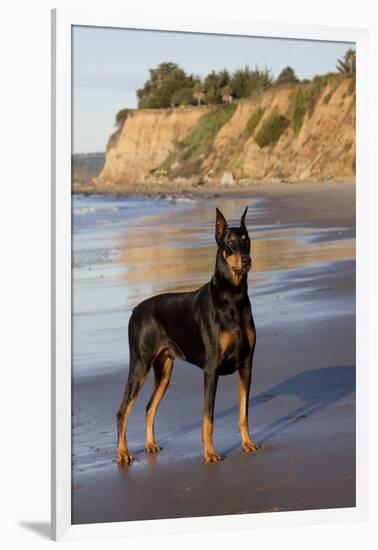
{"x":109,"y":65}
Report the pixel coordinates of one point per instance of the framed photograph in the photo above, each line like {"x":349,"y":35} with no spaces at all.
{"x":210,"y":192}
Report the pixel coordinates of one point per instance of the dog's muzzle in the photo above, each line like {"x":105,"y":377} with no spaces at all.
{"x":245,"y":267}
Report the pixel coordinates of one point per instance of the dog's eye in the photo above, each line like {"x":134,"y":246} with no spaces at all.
{"x":231,"y":245}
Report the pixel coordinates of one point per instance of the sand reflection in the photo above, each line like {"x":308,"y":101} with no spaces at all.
{"x":178,"y":254}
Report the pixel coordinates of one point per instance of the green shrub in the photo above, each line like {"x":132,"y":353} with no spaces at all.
{"x":287,"y":76}
{"x":205,"y":131}
{"x":327,"y":98}
{"x":317,"y":86}
{"x":298,"y":106}
{"x":121,"y":116}
{"x":352,"y":85}
{"x":201,"y":138}
{"x":315,"y":91}
{"x":183,"y":97}
{"x":304,"y":99}
{"x":254,"y":120}
{"x":271,"y":130}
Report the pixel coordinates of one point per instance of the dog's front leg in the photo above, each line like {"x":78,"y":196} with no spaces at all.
{"x":244,"y":384}
{"x":211,"y":382}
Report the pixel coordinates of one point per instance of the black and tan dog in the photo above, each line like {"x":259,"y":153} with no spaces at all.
{"x":211,"y":327}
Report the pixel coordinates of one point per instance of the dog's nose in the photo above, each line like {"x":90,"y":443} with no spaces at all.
{"x":246,"y":260}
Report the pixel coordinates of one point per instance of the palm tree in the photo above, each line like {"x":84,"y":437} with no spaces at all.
{"x":347,"y":65}
{"x":227,"y":96}
{"x":198,"y":93}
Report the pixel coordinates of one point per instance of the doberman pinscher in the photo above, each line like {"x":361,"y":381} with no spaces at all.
{"x":211,"y":328}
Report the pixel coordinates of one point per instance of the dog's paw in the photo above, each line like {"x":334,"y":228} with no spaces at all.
{"x":212,"y":457}
{"x":152,"y":447}
{"x":250,"y":446}
{"x":124,"y":458}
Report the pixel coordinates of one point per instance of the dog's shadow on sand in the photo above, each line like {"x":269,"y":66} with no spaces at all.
{"x":317,"y":388}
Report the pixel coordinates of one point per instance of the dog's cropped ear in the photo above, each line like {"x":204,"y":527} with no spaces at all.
{"x":220,"y":225}
{"x":242,"y":220}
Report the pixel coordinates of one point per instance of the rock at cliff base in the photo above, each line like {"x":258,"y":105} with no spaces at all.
{"x":227,"y":178}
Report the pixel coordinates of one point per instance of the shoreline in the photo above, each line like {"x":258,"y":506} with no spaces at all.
{"x":156,"y":188}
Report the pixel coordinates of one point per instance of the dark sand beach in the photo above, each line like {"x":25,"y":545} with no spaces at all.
{"x":302,"y":407}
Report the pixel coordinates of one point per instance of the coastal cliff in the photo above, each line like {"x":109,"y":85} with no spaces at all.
{"x":144,"y":141}
{"x":289,"y":133}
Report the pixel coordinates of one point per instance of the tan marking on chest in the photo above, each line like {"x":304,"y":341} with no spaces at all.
{"x":225,"y":340}
{"x":236,"y":278}
{"x":251,"y":335}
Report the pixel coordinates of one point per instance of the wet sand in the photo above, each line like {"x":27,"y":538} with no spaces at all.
{"x":302,"y":409}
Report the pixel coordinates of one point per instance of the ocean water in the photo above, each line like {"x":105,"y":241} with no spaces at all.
{"x":126,"y":249}
{"x":100,"y":218}
{"x":101,"y":305}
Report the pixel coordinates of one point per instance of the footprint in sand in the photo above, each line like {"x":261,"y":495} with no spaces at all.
{"x":179,"y":492}
{"x":280,"y":482}
{"x":296,"y":459}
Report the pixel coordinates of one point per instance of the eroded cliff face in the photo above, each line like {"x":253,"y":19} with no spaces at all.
{"x":323,"y":147}
{"x":146,"y":138}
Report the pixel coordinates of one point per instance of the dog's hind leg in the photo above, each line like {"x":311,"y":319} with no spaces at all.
{"x":163,"y":366}
{"x":137,"y":376}
{"x":244,"y":383}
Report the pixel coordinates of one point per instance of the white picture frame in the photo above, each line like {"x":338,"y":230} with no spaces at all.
{"x":62,"y":22}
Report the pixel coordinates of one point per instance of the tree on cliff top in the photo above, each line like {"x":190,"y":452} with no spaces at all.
{"x":214,"y":84}
{"x":165,"y":82}
{"x":245,"y":82}
{"x":227,"y":96}
{"x":170,"y":86}
{"x":347,"y":65}
{"x":198,"y":93}
{"x":286,"y":76}
{"x":121,"y":116}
